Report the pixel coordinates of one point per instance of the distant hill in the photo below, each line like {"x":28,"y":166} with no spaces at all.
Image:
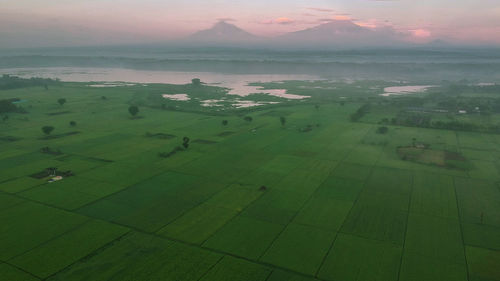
{"x":343,"y":33}
{"x":223,"y":33}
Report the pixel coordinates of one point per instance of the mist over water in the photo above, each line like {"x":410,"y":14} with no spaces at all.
{"x":417,"y":65}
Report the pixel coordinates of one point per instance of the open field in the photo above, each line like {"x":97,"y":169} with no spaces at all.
{"x":318,"y":198}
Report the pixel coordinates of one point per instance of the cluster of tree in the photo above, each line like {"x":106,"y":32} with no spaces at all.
{"x":425,"y":121}
{"x":8,"y":82}
{"x":456,"y":125}
{"x":51,"y":172}
{"x":171,"y":153}
{"x":412,"y":120}
{"x":51,"y":151}
{"x":362,"y":111}
{"x":8,"y":106}
{"x":185,"y":144}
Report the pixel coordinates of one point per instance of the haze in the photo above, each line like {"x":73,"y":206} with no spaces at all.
{"x":32,"y":23}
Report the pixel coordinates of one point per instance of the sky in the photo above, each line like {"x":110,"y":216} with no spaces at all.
{"x":89,"y":22}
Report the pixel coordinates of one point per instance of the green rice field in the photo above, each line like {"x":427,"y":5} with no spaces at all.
{"x":321,"y":197}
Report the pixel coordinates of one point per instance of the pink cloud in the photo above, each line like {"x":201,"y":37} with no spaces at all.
{"x":280,"y":20}
{"x":421,"y":33}
{"x":283,"y":20}
{"x":320,"y":9}
{"x":342,"y":17}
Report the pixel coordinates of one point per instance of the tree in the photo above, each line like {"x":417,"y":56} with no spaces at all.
{"x":104,"y":98}
{"x":316,"y":106}
{"x":196,"y":81}
{"x":282,"y":120}
{"x":61,"y":101}
{"x":5,"y":118}
{"x":46,"y":86}
{"x":382,"y":130}
{"x":185,"y":142}
{"x":47,"y":129}
{"x":248,"y":118}
{"x":133,"y":110}
{"x":224,"y":122}
{"x":72,"y":123}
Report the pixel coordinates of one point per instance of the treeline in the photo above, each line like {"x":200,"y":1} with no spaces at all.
{"x":362,"y":111}
{"x":8,"y":82}
{"x":423,"y":121}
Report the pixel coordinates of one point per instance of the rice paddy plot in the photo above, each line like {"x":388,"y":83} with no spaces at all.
{"x":20,"y":222}
{"x":416,"y":267}
{"x":481,"y":235}
{"x":9,"y":272}
{"x":276,"y":206}
{"x":340,"y":189}
{"x":376,"y":222}
{"x":351,"y":171}
{"x":300,"y":248}
{"x":324,"y":213}
{"x":434,"y":195}
{"x":354,"y":258}
{"x":198,"y":224}
{"x":58,"y":253}
{"x":478,"y":201}
{"x":233,"y":269}
{"x":483,"y":264}
{"x":142,"y":257}
{"x":435,"y":238}
{"x":245,"y":237}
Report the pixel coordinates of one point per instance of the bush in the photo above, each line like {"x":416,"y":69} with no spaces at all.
{"x":47,"y":129}
{"x":133,"y":110}
{"x":382,"y":130}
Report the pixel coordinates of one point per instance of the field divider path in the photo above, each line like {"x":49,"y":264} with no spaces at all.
{"x":210,"y":268}
{"x":407,"y":223}
{"x":53,"y":238}
{"x":459,"y":147}
{"x":350,"y":210}
{"x":20,"y":269}
{"x":227,"y":185}
{"x":121,"y":190}
{"x":461,"y":229}
{"x":91,"y":254}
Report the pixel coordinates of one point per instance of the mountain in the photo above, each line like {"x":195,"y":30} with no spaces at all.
{"x":223,"y":33}
{"x":342,"y":33}
{"x":333,"y":34}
